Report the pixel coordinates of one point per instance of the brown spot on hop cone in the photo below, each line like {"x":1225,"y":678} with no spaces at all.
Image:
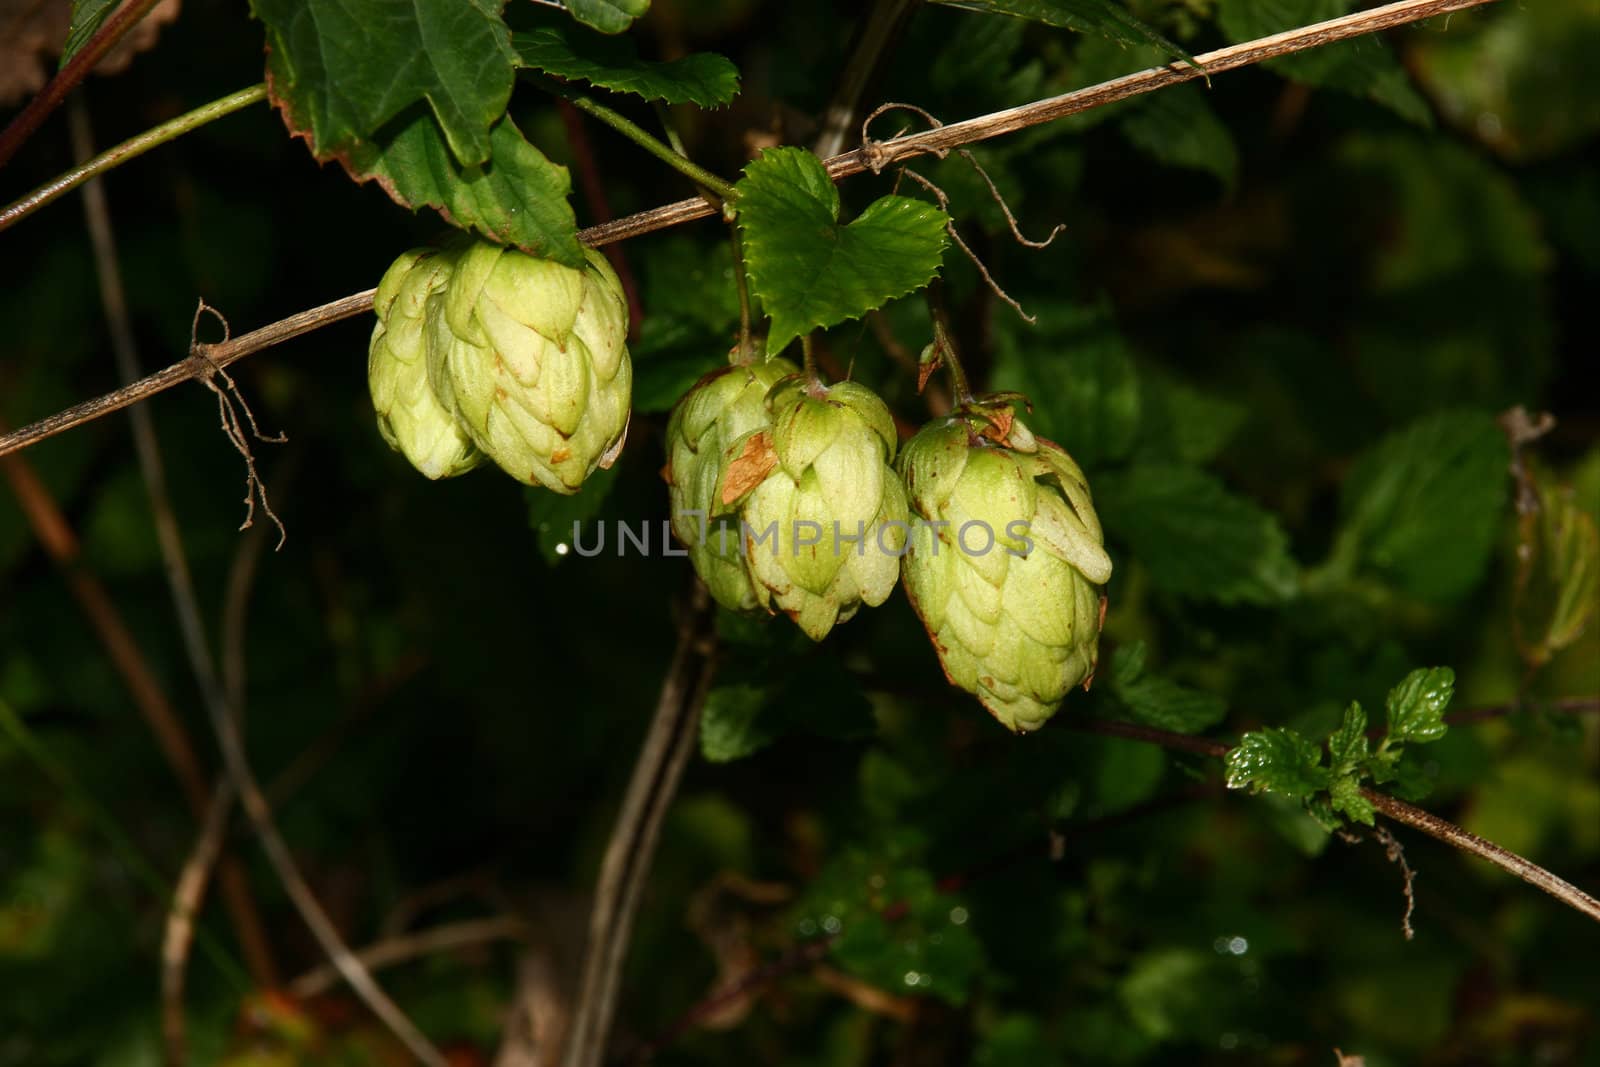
{"x":749,"y":468}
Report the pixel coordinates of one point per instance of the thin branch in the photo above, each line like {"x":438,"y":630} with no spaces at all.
{"x":201,"y":363}
{"x":955,"y":235}
{"x":223,"y":714}
{"x":283,"y":862}
{"x":246,"y":917}
{"x":874,"y":156}
{"x":67,"y":78}
{"x":130,"y":149}
{"x":403,"y":947}
{"x":179,"y":932}
{"x":1399,"y":810}
{"x":1467,"y":841}
{"x":631,"y":848}
{"x":1564,"y":706}
{"x":645,"y":140}
{"x":1199,"y":746}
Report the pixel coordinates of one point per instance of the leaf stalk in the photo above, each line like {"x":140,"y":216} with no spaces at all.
{"x":639,"y":136}
{"x":132,"y":148}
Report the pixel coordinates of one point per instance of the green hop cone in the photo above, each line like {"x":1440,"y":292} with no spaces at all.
{"x":822,"y":512}
{"x":1006,"y":561}
{"x":533,"y":357}
{"x":410,"y":416}
{"x":723,"y":406}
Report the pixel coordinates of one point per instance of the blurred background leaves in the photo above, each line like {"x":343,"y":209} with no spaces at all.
{"x":1276,"y":332}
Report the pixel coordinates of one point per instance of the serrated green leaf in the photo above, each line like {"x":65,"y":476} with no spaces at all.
{"x":1075,"y":368}
{"x":1195,"y":537}
{"x":1103,"y":18}
{"x":892,"y":926}
{"x":1364,"y":67}
{"x":607,"y":16}
{"x":1185,"y":423}
{"x":1423,"y":507}
{"x":1179,"y":127}
{"x":87,"y":18}
{"x":731,"y":725}
{"x":810,"y":271}
{"x":519,"y":198}
{"x":774,"y":699}
{"x":702,"y":78}
{"x":1161,"y":702}
{"x":1416,"y":706}
{"x":341,"y":69}
{"x":1277,"y":760}
{"x":1344,"y":795}
{"x":553,"y":516}
{"x":1348,"y":744}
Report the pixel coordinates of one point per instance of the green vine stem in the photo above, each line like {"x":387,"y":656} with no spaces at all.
{"x":944,"y":338}
{"x":808,"y":349}
{"x":745,"y":352}
{"x":132,"y":148}
{"x":741,"y":284}
{"x":639,"y":136}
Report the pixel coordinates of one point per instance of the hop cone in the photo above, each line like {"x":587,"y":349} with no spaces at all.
{"x":823,"y":513}
{"x":721,"y":407}
{"x":410,"y":416}
{"x":1005,"y":566}
{"x":532,"y":355}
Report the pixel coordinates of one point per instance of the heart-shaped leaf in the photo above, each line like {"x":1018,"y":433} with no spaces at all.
{"x":809,"y":270}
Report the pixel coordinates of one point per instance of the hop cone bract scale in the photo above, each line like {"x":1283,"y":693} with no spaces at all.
{"x":724,"y":406}
{"x":411,"y":417}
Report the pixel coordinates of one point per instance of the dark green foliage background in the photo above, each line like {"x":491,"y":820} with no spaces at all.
{"x":1275,"y":332}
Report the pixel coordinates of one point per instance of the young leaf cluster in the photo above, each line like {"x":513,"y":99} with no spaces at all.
{"x":1279,"y":759}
